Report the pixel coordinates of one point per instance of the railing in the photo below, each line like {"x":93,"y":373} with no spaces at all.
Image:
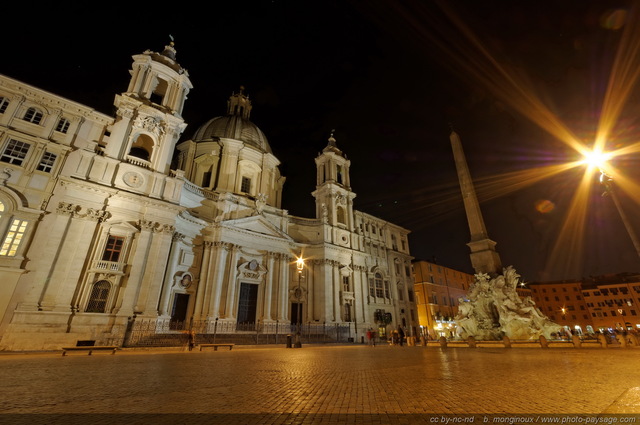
{"x":190,"y":187}
{"x":138,"y":162}
{"x":155,"y":333}
{"x":111,"y":266}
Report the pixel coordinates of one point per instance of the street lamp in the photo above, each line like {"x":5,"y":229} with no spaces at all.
{"x":607,"y":182}
{"x":300,"y":267}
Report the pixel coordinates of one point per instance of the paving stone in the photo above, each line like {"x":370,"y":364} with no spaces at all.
{"x":321,"y":384}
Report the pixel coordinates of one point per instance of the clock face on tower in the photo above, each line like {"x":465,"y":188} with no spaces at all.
{"x":133,"y":179}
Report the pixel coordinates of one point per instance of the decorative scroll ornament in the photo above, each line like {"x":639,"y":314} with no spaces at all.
{"x":150,"y":124}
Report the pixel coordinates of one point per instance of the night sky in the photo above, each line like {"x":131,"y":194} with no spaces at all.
{"x":392,"y":78}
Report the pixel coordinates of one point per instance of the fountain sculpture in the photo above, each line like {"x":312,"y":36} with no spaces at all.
{"x":494,"y":310}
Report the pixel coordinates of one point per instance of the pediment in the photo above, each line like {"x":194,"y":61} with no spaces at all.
{"x":257,"y":224}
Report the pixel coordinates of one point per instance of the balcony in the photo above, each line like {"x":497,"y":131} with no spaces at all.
{"x":108,"y":266}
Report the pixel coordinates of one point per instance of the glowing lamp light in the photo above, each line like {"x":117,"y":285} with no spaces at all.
{"x":300,"y":264}
{"x":596,"y":158}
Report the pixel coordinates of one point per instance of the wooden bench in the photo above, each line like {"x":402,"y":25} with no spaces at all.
{"x":90,"y":348}
{"x":215,"y":346}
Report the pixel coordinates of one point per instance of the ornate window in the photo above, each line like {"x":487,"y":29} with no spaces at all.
{"x":98,"y":298}
{"x":46,"y":162}
{"x":63,"y":125}
{"x":372,"y":288}
{"x":33,"y":116}
{"x":340,"y":216}
{"x":245,"y":187}
{"x":15,"y":152}
{"x":113,"y":248}
{"x":206,"y":179}
{"x":13,"y":237}
{"x":379,"y":286}
{"x":4,"y":102}
{"x":340,"y":174}
{"x":345,"y":283}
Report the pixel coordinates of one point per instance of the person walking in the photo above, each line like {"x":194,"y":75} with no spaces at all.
{"x":371,"y":338}
{"x":400,"y":335}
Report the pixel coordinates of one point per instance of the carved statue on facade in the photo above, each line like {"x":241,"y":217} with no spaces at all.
{"x":493,"y":309}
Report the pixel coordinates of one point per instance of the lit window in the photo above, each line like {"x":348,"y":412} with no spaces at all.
{"x":113,"y":249}
{"x":13,"y":238}
{"x":4,"y":102}
{"x":245,"y":187}
{"x":33,"y":115}
{"x":47,"y":161}
{"x":63,"y":125}
{"x":99,"y":296}
{"x":15,"y":152}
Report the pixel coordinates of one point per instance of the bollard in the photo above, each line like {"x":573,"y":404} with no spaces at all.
{"x":603,"y":340}
{"x":577,"y":342}
{"x":543,"y":342}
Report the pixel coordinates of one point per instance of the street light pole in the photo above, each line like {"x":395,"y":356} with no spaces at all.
{"x":300,"y":267}
{"x":607,"y":181}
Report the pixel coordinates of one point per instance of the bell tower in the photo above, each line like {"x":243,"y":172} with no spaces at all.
{"x":334,"y":198}
{"x":149,"y":114}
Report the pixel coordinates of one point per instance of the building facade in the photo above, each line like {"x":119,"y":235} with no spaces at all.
{"x":438,"y":290}
{"x":108,"y":222}
{"x":597,"y":304}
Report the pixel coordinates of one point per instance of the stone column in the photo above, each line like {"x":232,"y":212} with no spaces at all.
{"x":65,"y":271}
{"x":138,"y":267}
{"x":336,"y":287}
{"x":202,"y":280}
{"x":230,"y":306}
{"x":168,"y":276}
{"x":156,"y":267}
{"x":283,"y":284}
{"x":74,"y":255}
{"x":268,"y":290}
{"x":212,"y":301}
{"x":45,"y":252}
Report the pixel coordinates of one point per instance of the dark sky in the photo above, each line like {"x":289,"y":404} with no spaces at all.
{"x":390,"y":77}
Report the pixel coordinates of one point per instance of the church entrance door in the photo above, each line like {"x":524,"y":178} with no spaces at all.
{"x":179,"y":311}
{"x":247,"y":305}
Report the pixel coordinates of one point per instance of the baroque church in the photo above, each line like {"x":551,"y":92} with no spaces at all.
{"x":108,"y":223}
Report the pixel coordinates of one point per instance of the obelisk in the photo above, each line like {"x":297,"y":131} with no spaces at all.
{"x":484,"y":257}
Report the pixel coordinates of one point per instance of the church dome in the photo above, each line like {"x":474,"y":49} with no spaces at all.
{"x":235,"y":125}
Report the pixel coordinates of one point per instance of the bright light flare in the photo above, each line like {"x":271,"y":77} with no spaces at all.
{"x":597,"y":159}
{"x":300,"y":263}
{"x":468,"y":56}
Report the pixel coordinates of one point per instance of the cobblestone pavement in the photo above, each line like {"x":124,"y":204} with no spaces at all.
{"x":316,"y":384}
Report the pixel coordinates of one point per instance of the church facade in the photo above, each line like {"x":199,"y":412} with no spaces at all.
{"x":111,"y":221}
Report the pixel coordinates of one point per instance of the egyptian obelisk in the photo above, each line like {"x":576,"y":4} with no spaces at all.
{"x":484,"y":257}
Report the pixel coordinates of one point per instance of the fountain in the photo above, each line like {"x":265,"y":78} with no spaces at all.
{"x":492,"y":309}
